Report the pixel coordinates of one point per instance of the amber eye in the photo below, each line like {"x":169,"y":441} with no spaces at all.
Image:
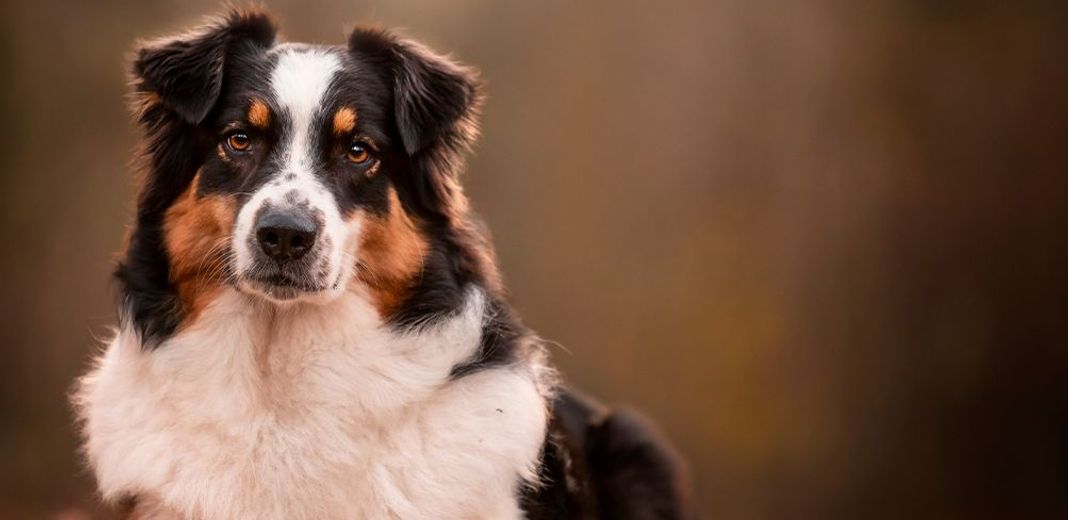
{"x":358,"y":153}
{"x":239,"y":142}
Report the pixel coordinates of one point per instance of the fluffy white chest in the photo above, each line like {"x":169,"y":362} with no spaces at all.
{"x":312,"y":413}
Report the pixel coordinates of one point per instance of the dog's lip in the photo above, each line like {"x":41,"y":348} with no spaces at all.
{"x":282,"y":281}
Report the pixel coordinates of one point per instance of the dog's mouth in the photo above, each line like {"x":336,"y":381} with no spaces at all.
{"x":286,"y":282}
{"x":281,"y":287}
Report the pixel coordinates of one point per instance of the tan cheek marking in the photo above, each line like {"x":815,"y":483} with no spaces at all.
{"x":392,"y":249}
{"x":344,"y":121}
{"x":259,"y":114}
{"x":196,"y":235}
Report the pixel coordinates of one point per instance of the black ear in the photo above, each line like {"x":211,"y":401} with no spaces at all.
{"x":432,"y":96}
{"x":186,"y":72}
{"x":435,"y":99}
{"x":436,"y":105}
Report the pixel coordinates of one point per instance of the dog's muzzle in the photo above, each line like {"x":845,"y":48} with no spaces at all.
{"x":286,"y":245}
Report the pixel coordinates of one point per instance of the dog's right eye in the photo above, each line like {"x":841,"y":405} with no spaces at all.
{"x":239,"y":142}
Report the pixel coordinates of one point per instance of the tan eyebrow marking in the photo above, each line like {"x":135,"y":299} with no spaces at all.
{"x":344,"y":121}
{"x":259,"y":114}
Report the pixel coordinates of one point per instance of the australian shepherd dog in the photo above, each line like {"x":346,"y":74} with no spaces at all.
{"x":311,"y":321}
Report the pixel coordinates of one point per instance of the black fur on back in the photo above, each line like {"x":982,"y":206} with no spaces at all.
{"x":603,"y":463}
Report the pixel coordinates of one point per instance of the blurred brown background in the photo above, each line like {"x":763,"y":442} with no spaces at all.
{"x":823,"y":244}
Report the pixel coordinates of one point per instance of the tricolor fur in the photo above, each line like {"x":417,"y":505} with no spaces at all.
{"x":311,"y":322}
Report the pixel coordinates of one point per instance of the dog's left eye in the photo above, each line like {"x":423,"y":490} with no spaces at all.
{"x":358,"y":153}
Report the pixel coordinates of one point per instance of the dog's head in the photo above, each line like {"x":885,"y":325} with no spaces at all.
{"x":292,"y":172}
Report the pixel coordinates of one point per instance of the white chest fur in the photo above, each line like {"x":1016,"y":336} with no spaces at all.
{"x":312,"y":413}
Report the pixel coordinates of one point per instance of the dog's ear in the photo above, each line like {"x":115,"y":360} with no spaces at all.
{"x":436,"y":105}
{"x":434,"y":97}
{"x":186,"y":72}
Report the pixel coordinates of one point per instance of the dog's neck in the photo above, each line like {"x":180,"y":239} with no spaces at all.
{"x":283,"y":357}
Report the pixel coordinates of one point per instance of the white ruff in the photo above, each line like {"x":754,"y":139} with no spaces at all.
{"x":311,"y":412}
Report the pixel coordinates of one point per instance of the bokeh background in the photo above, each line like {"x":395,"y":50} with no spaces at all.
{"x":823,"y":244}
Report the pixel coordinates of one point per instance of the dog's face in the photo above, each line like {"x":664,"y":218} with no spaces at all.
{"x":293,"y":172}
{"x":302,"y":159}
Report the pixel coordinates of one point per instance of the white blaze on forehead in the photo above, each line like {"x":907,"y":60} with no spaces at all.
{"x":300,"y":81}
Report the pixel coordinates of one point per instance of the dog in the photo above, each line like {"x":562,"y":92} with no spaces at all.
{"x":311,"y":322}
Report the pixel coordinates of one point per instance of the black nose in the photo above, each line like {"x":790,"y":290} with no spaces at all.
{"x":286,"y":236}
